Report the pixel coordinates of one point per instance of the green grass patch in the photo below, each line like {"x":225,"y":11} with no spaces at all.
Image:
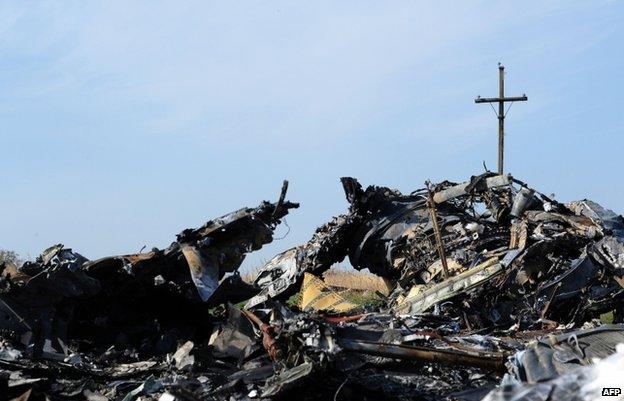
{"x":607,"y":318}
{"x":294,"y":301}
{"x":364,"y":299}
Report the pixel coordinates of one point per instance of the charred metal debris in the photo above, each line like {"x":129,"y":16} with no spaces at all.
{"x":497,"y":291}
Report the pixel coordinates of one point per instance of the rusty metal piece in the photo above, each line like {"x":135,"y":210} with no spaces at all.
{"x":268,"y":336}
{"x":341,"y":319}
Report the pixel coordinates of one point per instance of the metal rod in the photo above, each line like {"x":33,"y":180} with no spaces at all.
{"x":280,"y":202}
{"x":436,"y":230}
{"x":494,"y":361}
{"x":19,"y":318}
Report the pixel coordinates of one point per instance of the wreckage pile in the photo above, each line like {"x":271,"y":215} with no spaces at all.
{"x":498,"y":291}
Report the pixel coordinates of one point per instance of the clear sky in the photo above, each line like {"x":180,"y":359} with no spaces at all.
{"x":125,"y":122}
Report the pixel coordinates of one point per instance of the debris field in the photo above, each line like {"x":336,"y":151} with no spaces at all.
{"x":496,"y":292}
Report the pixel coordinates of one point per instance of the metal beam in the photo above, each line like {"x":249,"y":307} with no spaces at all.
{"x":497,"y":99}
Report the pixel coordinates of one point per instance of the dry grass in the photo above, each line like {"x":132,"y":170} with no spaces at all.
{"x":341,"y":278}
{"x":251,"y":275}
{"x":355,"y":280}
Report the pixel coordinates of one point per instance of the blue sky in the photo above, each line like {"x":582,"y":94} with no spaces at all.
{"x":125,"y":122}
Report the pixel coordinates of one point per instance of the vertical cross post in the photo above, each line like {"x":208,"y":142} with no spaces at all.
{"x":501,"y":117}
{"x":501,"y":99}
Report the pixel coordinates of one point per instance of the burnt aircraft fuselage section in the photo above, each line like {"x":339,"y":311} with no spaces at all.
{"x":489,"y":277}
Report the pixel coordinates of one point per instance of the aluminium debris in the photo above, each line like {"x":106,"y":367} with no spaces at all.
{"x":497,"y":292}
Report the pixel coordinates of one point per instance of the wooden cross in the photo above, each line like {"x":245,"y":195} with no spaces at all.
{"x":501,"y":99}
